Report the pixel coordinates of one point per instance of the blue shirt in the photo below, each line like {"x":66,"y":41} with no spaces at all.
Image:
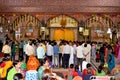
{"x":40,"y":52}
{"x":56,"y":49}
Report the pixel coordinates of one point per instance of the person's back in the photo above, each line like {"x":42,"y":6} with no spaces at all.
{"x":88,"y":75}
{"x":100,"y":71}
{"x":31,"y":75}
{"x":88,"y":66}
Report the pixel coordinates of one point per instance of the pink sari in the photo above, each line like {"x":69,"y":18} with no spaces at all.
{"x":119,"y":54}
{"x":116,"y":49}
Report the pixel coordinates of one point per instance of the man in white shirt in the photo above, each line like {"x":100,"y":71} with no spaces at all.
{"x":80,"y":55}
{"x":30,"y":50}
{"x":40,"y":53}
{"x":6,"y":49}
{"x":49,"y":51}
{"x":89,"y":52}
{"x":66,"y":55}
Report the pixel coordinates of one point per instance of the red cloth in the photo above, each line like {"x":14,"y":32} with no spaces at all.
{"x":2,"y":64}
{"x":98,"y":56}
{"x":75,"y":74}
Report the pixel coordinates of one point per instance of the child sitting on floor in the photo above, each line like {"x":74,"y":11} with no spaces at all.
{"x":97,"y":56}
{"x":77,"y":72}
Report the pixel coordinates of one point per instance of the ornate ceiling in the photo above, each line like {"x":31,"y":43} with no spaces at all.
{"x":60,"y":6}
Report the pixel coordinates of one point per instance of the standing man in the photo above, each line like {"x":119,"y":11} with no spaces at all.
{"x":40,"y":53}
{"x":80,"y":55}
{"x":30,"y":50}
{"x":66,"y":54}
{"x":56,"y":54}
{"x":6,"y":49}
{"x":50,"y":51}
{"x":89,"y":51}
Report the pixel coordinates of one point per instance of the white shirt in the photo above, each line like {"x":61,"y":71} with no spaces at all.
{"x":89,"y":47}
{"x":6,"y":49}
{"x":49,"y":50}
{"x":66,"y":49}
{"x":79,"y":50}
{"x":30,"y":50}
{"x":74,"y":46}
{"x":40,"y":52}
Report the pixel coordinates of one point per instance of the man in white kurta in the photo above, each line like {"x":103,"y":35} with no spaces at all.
{"x":87,"y":52}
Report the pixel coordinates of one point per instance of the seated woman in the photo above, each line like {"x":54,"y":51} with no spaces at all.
{"x":14,"y":70}
{"x":77,"y":72}
{"x":88,"y":75}
{"x":43,"y":66}
{"x":85,"y":71}
{"x":5,"y":65}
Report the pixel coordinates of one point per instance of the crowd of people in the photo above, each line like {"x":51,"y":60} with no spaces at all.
{"x":37,"y":58}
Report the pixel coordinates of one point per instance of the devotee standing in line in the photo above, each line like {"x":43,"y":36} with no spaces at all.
{"x":29,"y":50}
{"x":111,"y":59}
{"x":80,"y":55}
{"x":49,"y":50}
{"x":86,"y":53}
{"x":93,"y":50}
{"x":119,"y":54}
{"x":60,"y":53}
{"x":89,"y":52}
{"x":66,"y":54}
{"x":6,"y":49}
{"x":56,"y":55}
{"x":13,"y":51}
{"x":40,"y":53}
{"x":71,"y":60}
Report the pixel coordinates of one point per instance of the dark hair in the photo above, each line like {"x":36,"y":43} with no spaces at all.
{"x":47,"y":76}
{"x":17,"y":76}
{"x":21,"y":59}
{"x":15,"y":62}
{"x":80,"y":43}
{"x":100,"y":68}
{"x":44,"y":60}
{"x":85,"y":45}
{"x":6,"y":42}
{"x":88,"y":65}
{"x":71,"y":65}
{"x":76,"y":67}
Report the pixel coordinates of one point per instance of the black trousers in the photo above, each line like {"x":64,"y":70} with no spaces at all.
{"x":21,"y":53}
{"x":60,"y":58}
{"x":6,"y":55}
{"x":27,"y":57}
{"x":50,"y":58}
{"x":66,"y":60}
{"x":79,"y":62}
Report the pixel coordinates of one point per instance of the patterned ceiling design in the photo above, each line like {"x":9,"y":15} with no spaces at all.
{"x":59,"y":6}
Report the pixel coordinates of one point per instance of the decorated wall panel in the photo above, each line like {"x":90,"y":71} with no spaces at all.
{"x":26,"y":27}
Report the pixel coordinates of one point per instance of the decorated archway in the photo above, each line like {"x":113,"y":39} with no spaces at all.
{"x":63,"y":27}
{"x":26,"y":26}
{"x":98,"y":27}
{"x":4,"y":28}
